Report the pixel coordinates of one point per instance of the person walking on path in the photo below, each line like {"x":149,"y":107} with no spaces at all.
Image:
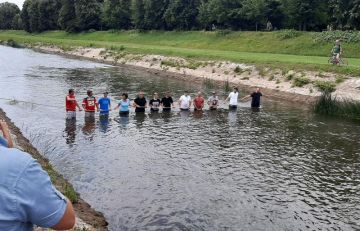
{"x":185,"y":101}
{"x":124,"y":105}
{"x":140,"y":103}
{"x":213,"y":101}
{"x":105,"y":105}
{"x":71,"y":104}
{"x":5,"y":140}
{"x":199,"y":102}
{"x":167,"y":102}
{"x":90,"y":104}
{"x":155,"y":103}
{"x":27,"y":196}
{"x":233,"y":97}
{"x":256,"y":98}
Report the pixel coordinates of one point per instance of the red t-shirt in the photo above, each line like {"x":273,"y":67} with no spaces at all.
{"x":198,"y":101}
{"x":89,"y":103}
{"x":70,"y":103}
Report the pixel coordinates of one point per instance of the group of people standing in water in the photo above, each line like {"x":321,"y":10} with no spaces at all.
{"x":91,"y":105}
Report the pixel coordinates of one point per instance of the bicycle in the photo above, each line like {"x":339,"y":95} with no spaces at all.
{"x":338,"y":61}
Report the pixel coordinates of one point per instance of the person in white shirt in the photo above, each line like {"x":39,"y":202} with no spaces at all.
{"x":233,"y":96}
{"x":185,"y":101}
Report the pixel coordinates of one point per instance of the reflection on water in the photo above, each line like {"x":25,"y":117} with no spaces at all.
{"x":278,"y":168}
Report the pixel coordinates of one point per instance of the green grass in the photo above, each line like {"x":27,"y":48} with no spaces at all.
{"x":329,"y":105}
{"x":267,"y":49}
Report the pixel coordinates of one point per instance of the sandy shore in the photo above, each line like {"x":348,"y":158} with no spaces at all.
{"x":87,"y":219}
{"x":275,"y":83}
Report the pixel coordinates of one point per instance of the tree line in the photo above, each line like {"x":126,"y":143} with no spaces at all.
{"x":84,"y":15}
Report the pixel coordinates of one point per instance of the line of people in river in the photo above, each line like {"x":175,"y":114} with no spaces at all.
{"x":104,"y":106}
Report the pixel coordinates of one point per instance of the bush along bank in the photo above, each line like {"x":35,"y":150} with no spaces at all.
{"x":87,"y":218}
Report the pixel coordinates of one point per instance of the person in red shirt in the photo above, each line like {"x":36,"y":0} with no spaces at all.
{"x":90,"y":104}
{"x":199,"y":102}
{"x":71,"y":104}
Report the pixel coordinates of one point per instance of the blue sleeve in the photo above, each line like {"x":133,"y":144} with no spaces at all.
{"x":3,"y":142}
{"x":38,"y":201}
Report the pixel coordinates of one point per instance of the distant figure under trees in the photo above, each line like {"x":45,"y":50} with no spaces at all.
{"x":269,"y":26}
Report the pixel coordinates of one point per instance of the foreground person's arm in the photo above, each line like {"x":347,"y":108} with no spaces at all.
{"x":6,"y":133}
{"x":40,"y":203}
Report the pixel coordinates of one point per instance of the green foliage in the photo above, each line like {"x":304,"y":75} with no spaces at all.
{"x":13,"y":43}
{"x":331,"y":36}
{"x":8,"y":11}
{"x":287,"y":34}
{"x":67,"y":16}
{"x":116,"y":14}
{"x":181,"y":14}
{"x":88,"y":14}
{"x":326,"y":87}
{"x":329,"y":105}
{"x":301,"y":81}
{"x":70,"y":193}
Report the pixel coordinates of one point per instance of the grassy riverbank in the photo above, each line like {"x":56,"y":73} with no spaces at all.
{"x":283,"y":49}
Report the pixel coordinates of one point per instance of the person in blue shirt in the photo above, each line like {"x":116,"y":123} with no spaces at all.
{"x":105,"y":104}
{"x":124,"y":105}
{"x":27,"y":196}
{"x":5,"y":141}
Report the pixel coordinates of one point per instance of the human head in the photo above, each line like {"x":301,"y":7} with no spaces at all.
{"x":124,"y":96}
{"x":257,"y":89}
{"x":141,"y":94}
{"x":186,"y":92}
{"x":199,"y":94}
{"x":214,"y":93}
{"x":156,"y":95}
{"x":236,"y":89}
{"x":106,"y":94}
{"x":89,"y":93}
{"x":167,"y":94}
{"x":71,"y":92}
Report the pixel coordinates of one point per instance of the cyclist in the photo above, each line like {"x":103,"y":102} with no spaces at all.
{"x":336,"y":51}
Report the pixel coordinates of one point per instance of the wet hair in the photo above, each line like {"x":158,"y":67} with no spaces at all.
{"x":235,"y":88}
{"x":126,"y":95}
{"x":89,"y":92}
{"x":71,"y":91}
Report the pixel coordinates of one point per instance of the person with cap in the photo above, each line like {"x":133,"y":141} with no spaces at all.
{"x":213,"y":101}
{"x":185,"y":101}
{"x":6,"y":139}
{"x":199,"y":102}
{"x":71,"y":104}
{"x":140,"y":103}
{"x":233,"y":97}
{"x":105,"y":105}
{"x":167,"y":102}
{"x":90,"y":104}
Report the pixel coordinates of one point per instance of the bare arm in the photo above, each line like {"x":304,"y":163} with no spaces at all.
{"x":6,"y":132}
{"x":68,"y":220}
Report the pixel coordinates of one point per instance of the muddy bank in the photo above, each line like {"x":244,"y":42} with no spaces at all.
{"x":291,"y":85}
{"x":87,"y":217}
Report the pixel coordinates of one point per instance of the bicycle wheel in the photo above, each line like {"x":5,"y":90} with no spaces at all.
{"x":344,"y":62}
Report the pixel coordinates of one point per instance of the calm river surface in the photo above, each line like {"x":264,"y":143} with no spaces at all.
{"x":282,"y":168}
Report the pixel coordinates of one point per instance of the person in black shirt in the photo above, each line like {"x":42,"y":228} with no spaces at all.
{"x":256,"y":98}
{"x":140,"y":103}
{"x":167,"y":102}
{"x":155,"y":103}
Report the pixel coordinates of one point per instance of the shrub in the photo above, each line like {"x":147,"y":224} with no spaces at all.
{"x":13,"y":43}
{"x":340,"y":79}
{"x":238,"y":70}
{"x":288,"y":34}
{"x":331,"y":36}
{"x":70,"y":193}
{"x":301,"y":81}
{"x":325,"y":86}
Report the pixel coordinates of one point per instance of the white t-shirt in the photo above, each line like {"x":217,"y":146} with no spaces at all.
{"x":234,"y":98}
{"x":185,"y":102}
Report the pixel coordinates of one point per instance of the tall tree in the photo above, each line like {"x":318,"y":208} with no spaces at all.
{"x":117,"y":14}
{"x":181,"y":14}
{"x":138,"y":13}
{"x":255,"y":10}
{"x":274,"y":13}
{"x":25,"y":15}
{"x":67,"y":16}
{"x":8,"y":11}
{"x":354,"y":14}
{"x":154,"y":14}
{"x":88,"y":14}
{"x":17,"y":23}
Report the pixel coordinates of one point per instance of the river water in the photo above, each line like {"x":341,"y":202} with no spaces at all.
{"x":281,"y":168}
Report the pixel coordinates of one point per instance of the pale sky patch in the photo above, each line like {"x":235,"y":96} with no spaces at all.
{"x":17,"y":2}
